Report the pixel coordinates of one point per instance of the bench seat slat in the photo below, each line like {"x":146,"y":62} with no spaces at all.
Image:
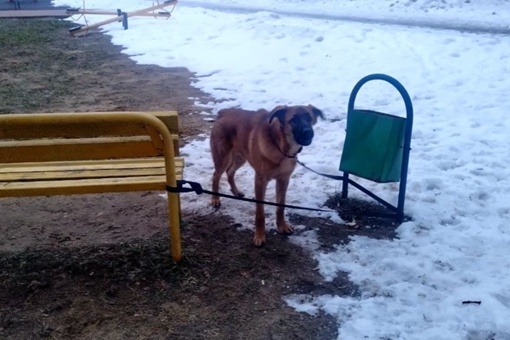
{"x":83,"y":186}
{"x":81,"y":172}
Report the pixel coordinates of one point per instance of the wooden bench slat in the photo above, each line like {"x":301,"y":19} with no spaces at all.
{"x":85,"y":130}
{"x":80,"y":174}
{"x":169,"y":118}
{"x":151,"y":162}
{"x":47,"y":150}
{"x":89,"y":172}
{"x":91,"y":130}
{"x":39,"y":152}
{"x":72,"y":141}
{"x":85,"y":186}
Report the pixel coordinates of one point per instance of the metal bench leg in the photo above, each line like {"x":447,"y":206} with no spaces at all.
{"x":174,"y":226}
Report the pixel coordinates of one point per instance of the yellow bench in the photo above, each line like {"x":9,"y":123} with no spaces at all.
{"x":94,"y":152}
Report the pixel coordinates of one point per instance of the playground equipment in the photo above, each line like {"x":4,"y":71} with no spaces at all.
{"x":119,"y":15}
{"x":377,"y":146}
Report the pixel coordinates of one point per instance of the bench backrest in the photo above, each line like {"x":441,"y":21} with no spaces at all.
{"x":85,"y":136}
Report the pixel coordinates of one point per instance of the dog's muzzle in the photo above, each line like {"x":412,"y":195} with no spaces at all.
{"x":304,"y":137}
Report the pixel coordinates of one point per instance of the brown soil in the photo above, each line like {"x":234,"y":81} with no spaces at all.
{"x":97,"y":266}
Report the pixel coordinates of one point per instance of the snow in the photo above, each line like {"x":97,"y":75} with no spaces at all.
{"x":453,"y":58}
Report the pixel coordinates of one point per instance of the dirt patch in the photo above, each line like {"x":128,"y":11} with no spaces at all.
{"x":224,"y":288}
{"x":44,"y":69}
{"x":98,"y":266}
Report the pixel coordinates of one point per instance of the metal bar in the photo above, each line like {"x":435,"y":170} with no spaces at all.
{"x":125,"y":20}
{"x":406,"y":151}
{"x":99,"y":12}
{"x":372,"y":195}
{"x":345,"y":185}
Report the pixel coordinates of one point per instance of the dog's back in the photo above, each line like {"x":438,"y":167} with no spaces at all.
{"x":232,"y":129}
{"x":239,"y":118}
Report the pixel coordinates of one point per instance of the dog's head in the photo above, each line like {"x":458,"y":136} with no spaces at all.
{"x":297,"y":121}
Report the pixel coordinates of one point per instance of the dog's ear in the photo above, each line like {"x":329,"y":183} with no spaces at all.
{"x":278,"y":112}
{"x":317,"y":113}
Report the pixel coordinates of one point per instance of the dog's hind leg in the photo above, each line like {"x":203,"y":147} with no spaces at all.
{"x":236,"y":162}
{"x":218,"y":171}
{"x":222,"y":159}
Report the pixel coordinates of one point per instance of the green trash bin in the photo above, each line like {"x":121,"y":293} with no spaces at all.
{"x":377,"y":145}
{"x":373,"y":146}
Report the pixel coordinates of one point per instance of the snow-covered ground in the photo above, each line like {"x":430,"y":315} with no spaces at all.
{"x":266,"y":53}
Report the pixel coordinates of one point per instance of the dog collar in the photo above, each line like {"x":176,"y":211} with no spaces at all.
{"x":289,"y":156}
{"x":278,"y":146}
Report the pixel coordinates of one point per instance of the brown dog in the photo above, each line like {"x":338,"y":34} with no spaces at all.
{"x":269,"y":141}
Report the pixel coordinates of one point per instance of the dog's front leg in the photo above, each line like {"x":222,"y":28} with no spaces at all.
{"x":281,"y":192}
{"x":260,"y":219}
